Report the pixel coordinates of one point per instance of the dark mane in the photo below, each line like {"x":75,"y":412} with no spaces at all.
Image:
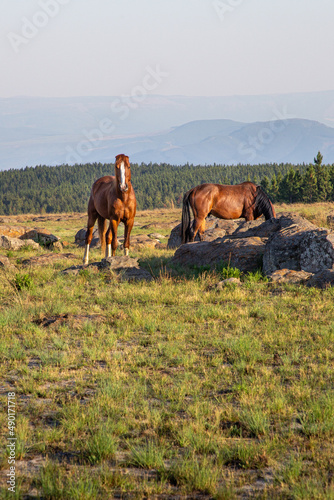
{"x":263,"y":204}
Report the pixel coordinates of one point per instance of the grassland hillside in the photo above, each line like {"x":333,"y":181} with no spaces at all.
{"x":163,"y":389}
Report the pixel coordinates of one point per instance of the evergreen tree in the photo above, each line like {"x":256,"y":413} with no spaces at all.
{"x":310,"y":185}
{"x":324,"y":186}
{"x":297,"y":192}
{"x":273,"y":189}
{"x":287,"y":187}
{"x":265,"y":184}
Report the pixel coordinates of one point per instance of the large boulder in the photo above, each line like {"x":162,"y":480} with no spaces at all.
{"x":42,"y":236}
{"x":298,"y":245}
{"x":38,"y":235}
{"x":288,"y":242}
{"x":16,"y":243}
{"x":243,"y":253}
{"x":322,"y":279}
{"x":12,"y":231}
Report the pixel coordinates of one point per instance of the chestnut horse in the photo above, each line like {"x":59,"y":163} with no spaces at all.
{"x":112,"y":198}
{"x":225,"y":202}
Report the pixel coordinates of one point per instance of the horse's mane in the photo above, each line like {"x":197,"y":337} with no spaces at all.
{"x":263,"y":204}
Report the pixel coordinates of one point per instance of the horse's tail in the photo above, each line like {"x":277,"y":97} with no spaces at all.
{"x":185,"y":224}
{"x":102,"y":225}
{"x":263,"y":204}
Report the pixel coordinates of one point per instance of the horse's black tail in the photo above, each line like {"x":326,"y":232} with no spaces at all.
{"x":263,"y":204}
{"x":185,"y":224}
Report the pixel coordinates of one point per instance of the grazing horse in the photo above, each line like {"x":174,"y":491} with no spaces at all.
{"x":112,"y":198}
{"x":225,"y":202}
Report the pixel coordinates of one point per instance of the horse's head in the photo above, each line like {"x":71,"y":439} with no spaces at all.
{"x":123,"y":172}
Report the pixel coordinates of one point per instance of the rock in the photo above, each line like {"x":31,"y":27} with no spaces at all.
{"x":5,"y":263}
{"x":298,"y":245}
{"x":258,"y":228}
{"x":57,"y":245}
{"x":287,"y":219}
{"x":12,"y":231}
{"x":160,"y":225}
{"x":330,"y":220}
{"x":227,"y":282}
{"x":16,"y":243}
{"x":48,"y":259}
{"x":42,"y":236}
{"x":243,"y":253}
{"x":322,"y":279}
{"x":289,"y":276}
{"x":288,"y":243}
{"x":118,"y":262}
{"x":125,"y":267}
{"x":141,"y":241}
{"x":174,"y":240}
{"x":156,"y":236}
{"x":317,"y":250}
{"x":81,"y":235}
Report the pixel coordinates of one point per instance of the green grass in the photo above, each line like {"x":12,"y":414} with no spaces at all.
{"x":166,"y":388}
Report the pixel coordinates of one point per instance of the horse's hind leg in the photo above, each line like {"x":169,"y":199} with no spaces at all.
{"x":201,"y":230}
{"x":198,"y":226}
{"x":111,"y":238}
{"x":92,"y":216}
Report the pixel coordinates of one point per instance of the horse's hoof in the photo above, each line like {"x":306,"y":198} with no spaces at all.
{"x":126,"y":252}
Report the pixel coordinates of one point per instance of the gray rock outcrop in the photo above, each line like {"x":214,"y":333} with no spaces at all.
{"x":289,"y":248}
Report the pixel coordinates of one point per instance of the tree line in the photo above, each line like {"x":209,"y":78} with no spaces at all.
{"x":66,"y":188}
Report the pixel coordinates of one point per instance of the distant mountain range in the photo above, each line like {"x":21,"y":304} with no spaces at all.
{"x":247,"y":129}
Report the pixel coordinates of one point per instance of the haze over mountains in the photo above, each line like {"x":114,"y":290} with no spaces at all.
{"x":174,"y":129}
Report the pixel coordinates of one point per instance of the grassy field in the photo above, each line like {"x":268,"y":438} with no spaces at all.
{"x":164,"y":389}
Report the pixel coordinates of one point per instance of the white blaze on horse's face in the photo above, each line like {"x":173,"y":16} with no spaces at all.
{"x":123,"y":185}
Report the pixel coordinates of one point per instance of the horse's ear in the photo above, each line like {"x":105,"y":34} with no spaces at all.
{"x":123,"y":156}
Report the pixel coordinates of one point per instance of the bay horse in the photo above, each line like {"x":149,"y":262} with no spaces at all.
{"x":112,"y":198}
{"x":225,"y":202}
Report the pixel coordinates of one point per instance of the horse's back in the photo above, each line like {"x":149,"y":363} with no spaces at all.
{"x":106,"y":181}
{"x":223,"y":200}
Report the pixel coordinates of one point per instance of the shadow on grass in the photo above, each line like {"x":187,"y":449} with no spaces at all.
{"x":163,"y":266}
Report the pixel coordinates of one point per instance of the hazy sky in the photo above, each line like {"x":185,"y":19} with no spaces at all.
{"x":60,"y":48}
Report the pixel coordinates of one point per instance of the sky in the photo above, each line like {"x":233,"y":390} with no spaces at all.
{"x":66,"y":48}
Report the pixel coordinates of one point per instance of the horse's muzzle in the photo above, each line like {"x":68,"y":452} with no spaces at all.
{"x":123,"y":188}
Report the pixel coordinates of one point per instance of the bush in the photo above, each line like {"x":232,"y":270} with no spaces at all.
{"x":22,"y":281}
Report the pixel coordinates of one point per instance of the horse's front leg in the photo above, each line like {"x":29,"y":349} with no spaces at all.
{"x":108,"y":241}
{"x":128,"y":225}
{"x":114,"y":242}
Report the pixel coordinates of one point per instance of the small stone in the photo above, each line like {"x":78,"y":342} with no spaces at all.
{"x":228,"y":282}
{"x":289,"y":276}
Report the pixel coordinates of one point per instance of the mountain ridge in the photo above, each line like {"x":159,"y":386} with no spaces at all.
{"x":175,"y":129}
